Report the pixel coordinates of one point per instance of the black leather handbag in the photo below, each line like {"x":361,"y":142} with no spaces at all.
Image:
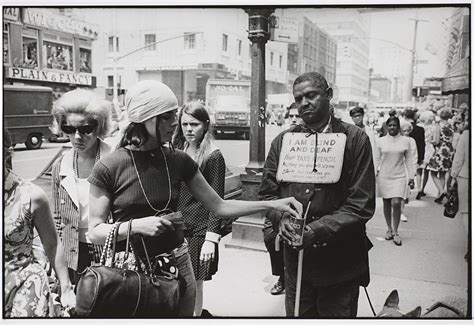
{"x":452,"y":206}
{"x":112,"y":292}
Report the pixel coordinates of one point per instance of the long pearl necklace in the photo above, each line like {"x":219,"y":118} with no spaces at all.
{"x":75,"y":164}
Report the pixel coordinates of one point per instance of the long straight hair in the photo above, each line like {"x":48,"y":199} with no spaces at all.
{"x":205,"y":146}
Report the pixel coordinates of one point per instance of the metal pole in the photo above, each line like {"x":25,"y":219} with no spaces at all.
{"x":413,"y":57}
{"x":299,"y":272}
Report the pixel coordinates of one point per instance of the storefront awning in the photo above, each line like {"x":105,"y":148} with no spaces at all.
{"x":457,"y":78}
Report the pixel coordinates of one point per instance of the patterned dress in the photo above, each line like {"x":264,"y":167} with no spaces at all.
{"x":198,"y":219}
{"x":27,"y":293}
{"x":442,"y":158}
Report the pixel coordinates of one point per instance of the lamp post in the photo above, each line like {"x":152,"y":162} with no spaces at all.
{"x":246,"y":231}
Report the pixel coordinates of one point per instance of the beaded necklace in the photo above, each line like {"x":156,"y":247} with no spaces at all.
{"x":75,"y":165}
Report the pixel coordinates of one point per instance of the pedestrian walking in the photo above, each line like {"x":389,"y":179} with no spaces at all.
{"x":406,"y":129}
{"x":141,"y":179}
{"x":427,"y":119}
{"x":26,"y":284}
{"x":394,"y":164}
{"x":441,"y":161}
{"x":418,"y":135}
{"x":334,"y":239}
{"x":202,"y":228}
{"x":86,"y":120}
{"x":460,"y":176}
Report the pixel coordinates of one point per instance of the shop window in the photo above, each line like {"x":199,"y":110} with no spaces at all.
{"x":150,"y":40}
{"x":225,"y":39}
{"x":30,"y":48}
{"x":58,"y":56}
{"x":189,"y":41}
{"x":6,"y":41}
{"x":85,"y":60}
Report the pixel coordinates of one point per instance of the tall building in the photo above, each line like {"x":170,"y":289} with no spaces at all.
{"x":382,"y":87}
{"x":315,"y":50}
{"x":48,"y":47}
{"x":351,"y":32}
{"x":181,"y":47}
{"x":456,"y":81}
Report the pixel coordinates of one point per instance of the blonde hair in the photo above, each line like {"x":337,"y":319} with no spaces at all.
{"x":84,"y":102}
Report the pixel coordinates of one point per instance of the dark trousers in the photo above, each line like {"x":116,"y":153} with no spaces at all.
{"x":336,"y":301}
{"x":85,"y":259}
{"x":276,"y":258}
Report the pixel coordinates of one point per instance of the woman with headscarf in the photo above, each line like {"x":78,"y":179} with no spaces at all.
{"x":142,"y":178}
{"x":26,"y":284}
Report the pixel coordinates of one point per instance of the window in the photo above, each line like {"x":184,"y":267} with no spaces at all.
{"x":111,"y":44}
{"x":6,"y":41}
{"x":239,"y":47}
{"x":58,"y":56}
{"x":110,"y":81}
{"x":150,"y":40}
{"x":225,"y":38}
{"x":30,"y":48}
{"x":281,"y":60}
{"x":85,"y":60}
{"x":189,"y":41}
{"x":271,"y":58}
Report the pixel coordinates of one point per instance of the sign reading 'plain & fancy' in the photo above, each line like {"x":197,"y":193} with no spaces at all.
{"x":304,"y":161}
{"x":52,"y":76}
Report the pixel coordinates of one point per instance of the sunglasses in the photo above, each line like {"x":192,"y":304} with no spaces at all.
{"x":83,"y":129}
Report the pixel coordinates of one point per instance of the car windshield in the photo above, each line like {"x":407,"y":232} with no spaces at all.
{"x":231,"y":103}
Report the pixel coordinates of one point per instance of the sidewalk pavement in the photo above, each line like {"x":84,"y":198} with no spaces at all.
{"x":428,"y":266}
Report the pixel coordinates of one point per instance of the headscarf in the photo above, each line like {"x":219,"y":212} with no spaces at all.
{"x":147,"y":99}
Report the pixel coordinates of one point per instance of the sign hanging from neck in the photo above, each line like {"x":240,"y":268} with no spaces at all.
{"x":311,"y":158}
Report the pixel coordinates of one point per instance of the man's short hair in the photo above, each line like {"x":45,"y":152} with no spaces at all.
{"x":316,"y":79}
{"x":356,"y":110}
{"x":292,"y":106}
{"x":409,"y":113}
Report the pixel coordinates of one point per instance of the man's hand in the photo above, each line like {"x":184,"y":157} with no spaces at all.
{"x":411,"y":183}
{"x":309,"y":238}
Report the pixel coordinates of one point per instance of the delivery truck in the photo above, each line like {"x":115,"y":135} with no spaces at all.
{"x":27,"y":114}
{"x":228,"y":102}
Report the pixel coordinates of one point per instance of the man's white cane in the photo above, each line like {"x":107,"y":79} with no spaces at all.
{"x":299,"y":272}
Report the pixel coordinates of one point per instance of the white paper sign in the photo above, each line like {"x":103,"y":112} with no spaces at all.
{"x":296,"y":163}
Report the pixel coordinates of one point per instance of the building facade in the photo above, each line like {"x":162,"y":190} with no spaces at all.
{"x":351,"y":32}
{"x":315,"y":49}
{"x":380,"y":89}
{"x":182,"y":48}
{"x":456,"y":82}
{"x":47,"y":47}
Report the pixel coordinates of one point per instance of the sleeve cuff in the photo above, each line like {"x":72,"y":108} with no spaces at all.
{"x":321,"y":235}
{"x":213,"y":237}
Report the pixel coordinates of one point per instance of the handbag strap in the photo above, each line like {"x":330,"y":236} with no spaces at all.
{"x":129,"y":231}
{"x":150,"y":269}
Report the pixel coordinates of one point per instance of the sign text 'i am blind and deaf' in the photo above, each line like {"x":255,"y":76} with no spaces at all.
{"x":297,"y":158}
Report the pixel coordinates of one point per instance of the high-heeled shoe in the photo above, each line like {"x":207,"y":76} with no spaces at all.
{"x":419,"y":195}
{"x":440,"y":199}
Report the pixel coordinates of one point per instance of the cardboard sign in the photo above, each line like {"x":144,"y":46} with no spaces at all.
{"x":297,"y":163}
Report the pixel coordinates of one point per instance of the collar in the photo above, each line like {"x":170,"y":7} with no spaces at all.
{"x":67,"y":161}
